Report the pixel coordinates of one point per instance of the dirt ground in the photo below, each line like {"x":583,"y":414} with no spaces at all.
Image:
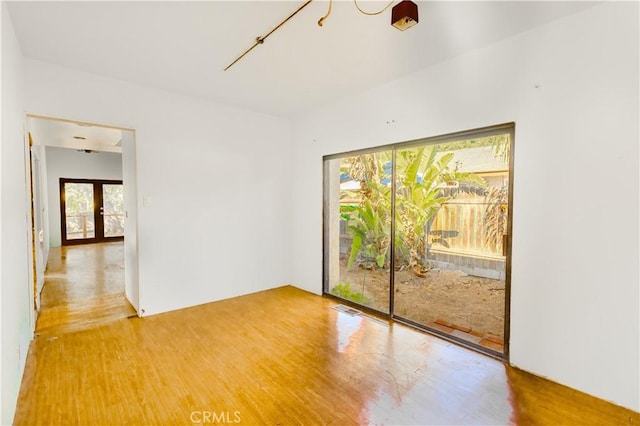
{"x":452,"y":296}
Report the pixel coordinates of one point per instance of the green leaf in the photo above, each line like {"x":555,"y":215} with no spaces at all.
{"x":357,"y":232}
{"x":380,"y":260}
{"x":411,"y":174}
{"x":348,"y":208}
{"x":355,"y":249}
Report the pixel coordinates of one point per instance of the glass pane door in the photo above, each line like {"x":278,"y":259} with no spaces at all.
{"x":79,"y":211}
{"x":358,"y":229}
{"x":92,"y":210}
{"x":113,"y":210}
{"x":451,"y":228}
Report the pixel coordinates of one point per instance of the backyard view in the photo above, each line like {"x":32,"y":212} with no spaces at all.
{"x":80,"y":206}
{"x":113,"y":205}
{"x":79,"y":210}
{"x":450,"y":227}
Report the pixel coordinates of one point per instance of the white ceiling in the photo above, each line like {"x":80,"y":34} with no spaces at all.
{"x":184,"y":46}
{"x":67,"y":134}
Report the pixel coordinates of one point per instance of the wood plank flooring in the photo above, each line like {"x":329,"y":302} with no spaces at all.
{"x":282,"y":357}
{"x":84,"y":288}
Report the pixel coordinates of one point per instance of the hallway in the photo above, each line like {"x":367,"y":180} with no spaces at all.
{"x":84,"y":288}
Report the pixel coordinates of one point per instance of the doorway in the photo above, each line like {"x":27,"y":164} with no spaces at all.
{"x":420,"y":232}
{"x":91,"y":211}
{"x":89,"y":194}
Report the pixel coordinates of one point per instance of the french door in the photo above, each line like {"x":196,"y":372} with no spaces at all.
{"x":420,"y":232}
{"x":91,"y":210}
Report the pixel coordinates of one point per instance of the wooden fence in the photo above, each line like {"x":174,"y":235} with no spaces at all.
{"x":469,"y":222}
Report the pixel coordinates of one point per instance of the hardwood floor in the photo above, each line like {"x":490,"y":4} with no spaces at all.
{"x":84,"y":288}
{"x":283,"y":356}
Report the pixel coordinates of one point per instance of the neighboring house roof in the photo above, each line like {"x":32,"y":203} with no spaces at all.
{"x":478,"y":160}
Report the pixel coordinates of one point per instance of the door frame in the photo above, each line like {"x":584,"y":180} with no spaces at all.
{"x":97,"y":213}
{"x":130,"y":175}
{"x":505,"y":128}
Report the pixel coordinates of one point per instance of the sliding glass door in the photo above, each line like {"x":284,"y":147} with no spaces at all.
{"x":358,"y":228}
{"x":91,"y":211}
{"x":420,"y":232}
{"x":452,"y":210}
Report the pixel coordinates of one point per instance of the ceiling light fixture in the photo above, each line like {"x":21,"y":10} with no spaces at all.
{"x":404,"y":15}
{"x":321,"y":20}
{"x":261,"y":39}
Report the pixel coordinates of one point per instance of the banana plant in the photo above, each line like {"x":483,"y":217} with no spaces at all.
{"x":423,"y":182}
{"x":370,"y":227}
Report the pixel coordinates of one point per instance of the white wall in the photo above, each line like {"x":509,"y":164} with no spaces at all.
{"x":15,"y":285}
{"x":131,"y":282}
{"x":571,"y":87}
{"x":215,"y":178}
{"x":40,"y":214}
{"x":69,"y":163}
